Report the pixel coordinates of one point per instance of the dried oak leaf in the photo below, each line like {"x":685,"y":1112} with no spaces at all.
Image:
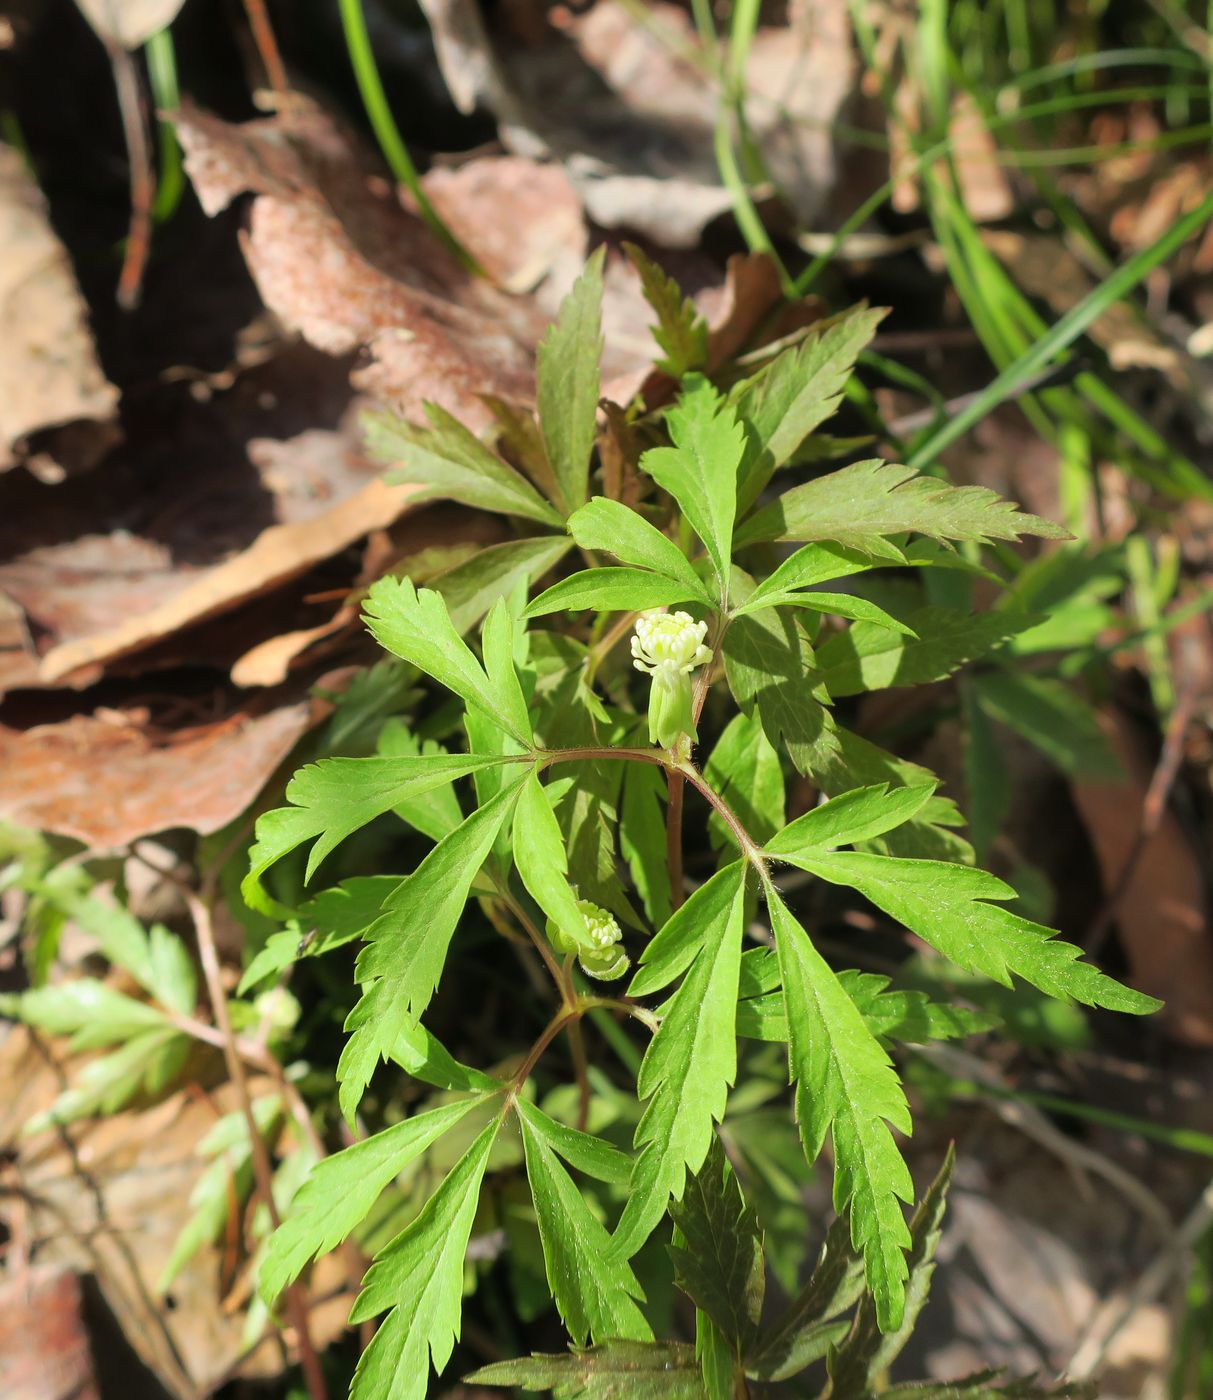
{"x":49,"y":375}
{"x":109,"y":777}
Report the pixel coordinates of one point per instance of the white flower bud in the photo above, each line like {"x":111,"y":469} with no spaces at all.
{"x":668,"y":647}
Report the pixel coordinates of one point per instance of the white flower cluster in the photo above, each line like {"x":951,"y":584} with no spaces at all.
{"x":600,"y":925}
{"x":669,"y":645}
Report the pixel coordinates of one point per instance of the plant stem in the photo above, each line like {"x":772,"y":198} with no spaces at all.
{"x":267,"y":47}
{"x":675,"y":785}
{"x":142,"y":180}
{"x":208,"y":956}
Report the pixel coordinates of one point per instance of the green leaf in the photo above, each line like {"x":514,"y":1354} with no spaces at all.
{"x":614,"y":590}
{"x":407,"y":945}
{"x":542,"y":863}
{"x":718,"y":1262}
{"x":335,"y":797}
{"x":594,"y":1290}
{"x":837,"y":605}
{"x":867,"y":1354}
{"x":146,"y":1063}
{"x":92,"y":1012}
{"x":700,"y":470}
{"x":852,"y":816}
{"x":874,"y":499}
{"x":414,"y":624}
{"x":419,"y":1276}
{"x":684,"y":935}
{"x":687,"y":1071}
{"x":502,"y":635}
{"x":945,"y":905}
{"x":567,"y":379}
{"x":868,"y":656}
{"x":987,"y":781}
{"x":768,"y":663}
{"x":799,"y":390}
{"x":341,"y":1189}
{"x":587,"y":1153}
{"x":804,"y":1332}
{"x":987,"y":1384}
{"x":846,"y":1085}
{"x":745,"y":770}
{"x":451,"y":462}
{"x":681,"y":331}
{"x":818,"y":563}
{"x":642,"y":838}
{"x":436,"y":812}
{"x":1051,"y":717}
{"x":611,"y":526}
{"x":416,"y":1051}
{"x":616,"y":1371}
{"x":472,"y":587}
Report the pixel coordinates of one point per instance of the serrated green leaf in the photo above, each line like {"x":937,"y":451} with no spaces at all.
{"x":611,"y":526}
{"x":804,"y":1331}
{"x":472,"y":587}
{"x":744,"y":769}
{"x":341,"y":1189}
{"x":91,"y":1012}
{"x":541,"y":861}
{"x":799,"y":390}
{"x":616,"y":1371}
{"x":812,"y":564}
{"x":846,"y":1086}
{"x":146,"y":1063}
{"x":614,"y":590}
{"x":1054,"y":719}
{"x":436,"y":812}
{"x":874,"y":499}
{"x":869,"y":1349}
{"x":715,"y":1359}
{"x":687,"y":1070}
{"x":421,"y":1055}
{"x":450,"y":462}
{"x":642,"y":838}
{"x":718,"y":1260}
{"x":407,"y":945}
{"x":419,"y":1276}
{"x":567,"y":380}
{"x":868,"y":656}
{"x":681,"y":331}
{"x":857,"y":815}
{"x":987,"y":781}
{"x":945,"y":905}
{"x":836,"y":605}
{"x":700,"y":469}
{"x":502,"y":635}
{"x":683,"y":936}
{"x":589,"y":1154}
{"x":987,"y":1384}
{"x":595,"y":1291}
{"x":335,"y":797}
{"x":415,"y":625}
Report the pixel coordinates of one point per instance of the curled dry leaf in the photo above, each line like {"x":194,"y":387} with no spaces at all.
{"x":49,"y":375}
{"x":110,"y":777}
{"x":109,"y":1197}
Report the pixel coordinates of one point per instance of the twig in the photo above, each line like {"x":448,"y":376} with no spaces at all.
{"x":267,"y":47}
{"x":1153,"y":806}
{"x":208,"y":956}
{"x":142,"y":180}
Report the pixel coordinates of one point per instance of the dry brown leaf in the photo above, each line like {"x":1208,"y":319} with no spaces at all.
{"x":109,"y":1197}
{"x":1162,"y":918}
{"x":110,"y":777}
{"x":44,"y":1346}
{"x":49,"y":375}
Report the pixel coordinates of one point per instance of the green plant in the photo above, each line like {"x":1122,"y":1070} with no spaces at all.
{"x":546,"y":776}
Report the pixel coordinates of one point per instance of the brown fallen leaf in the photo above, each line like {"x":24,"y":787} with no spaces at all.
{"x":109,"y":777}
{"x":1161,"y":914}
{"x":44,"y":1345}
{"x":49,"y":375}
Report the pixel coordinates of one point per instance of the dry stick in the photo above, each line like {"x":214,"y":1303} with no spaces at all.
{"x":267,"y":47}
{"x":208,"y":955}
{"x":1153,"y":806}
{"x":143,"y":183}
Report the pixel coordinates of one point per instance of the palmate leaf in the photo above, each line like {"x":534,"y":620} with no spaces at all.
{"x":869,"y":656}
{"x":541,"y":861}
{"x":335,"y":797}
{"x":617,"y":1371}
{"x":745,"y":770}
{"x":689,"y":1065}
{"x":874,"y":499}
{"x":407,"y":945}
{"x":718,"y":1258}
{"x":858,"y":815}
{"x":415,"y":625}
{"x":612,"y":526}
{"x":681,"y":331}
{"x":595,"y":1291}
{"x":642,"y":838}
{"x":450,"y":462}
{"x":946,"y":905}
{"x":700,"y":469}
{"x":341,"y":1189}
{"x":846,"y":1086}
{"x":800,"y":389}
{"x":843,"y":605}
{"x":614,"y":590}
{"x":818,"y":563}
{"x":473,"y":586}
{"x":566,"y":383}
{"x":419,"y":1277}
